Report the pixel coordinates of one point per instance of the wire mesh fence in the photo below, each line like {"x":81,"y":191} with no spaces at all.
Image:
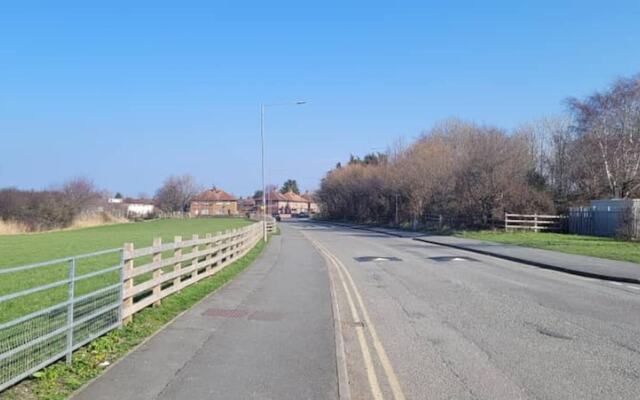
{"x":49,"y":309}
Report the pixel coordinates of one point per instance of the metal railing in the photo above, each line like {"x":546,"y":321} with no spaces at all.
{"x":76,"y":300}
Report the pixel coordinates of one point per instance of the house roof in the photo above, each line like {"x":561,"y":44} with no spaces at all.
{"x":309,"y":196}
{"x":289,"y":196}
{"x":130,"y":200}
{"x":246,"y":202}
{"x":214,"y":195}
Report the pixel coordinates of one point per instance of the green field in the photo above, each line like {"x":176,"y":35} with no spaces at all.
{"x":573,"y":244}
{"x":29,"y":248}
{"x":18,"y":250}
{"x":58,"y":381}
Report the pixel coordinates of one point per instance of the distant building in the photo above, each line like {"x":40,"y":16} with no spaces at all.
{"x":284,"y":203}
{"x":213,"y":202}
{"x":138,"y":208}
{"x":312,"y":203}
{"x":246,"y":205}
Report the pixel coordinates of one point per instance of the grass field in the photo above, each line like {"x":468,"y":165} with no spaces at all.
{"x":23,"y":249}
{"x":30,"y":248}
{"x":58,"y":381}
{"x":573,"y":244}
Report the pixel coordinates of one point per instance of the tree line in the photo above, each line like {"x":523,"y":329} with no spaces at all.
{"x":473,"y":173}
{"x":58,"y":207}
{"x":40,"y":210}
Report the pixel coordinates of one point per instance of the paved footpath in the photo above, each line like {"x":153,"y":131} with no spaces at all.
{"x":269,"y":334}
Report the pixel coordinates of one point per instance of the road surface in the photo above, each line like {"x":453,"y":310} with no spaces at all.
{"x":413,"y":321}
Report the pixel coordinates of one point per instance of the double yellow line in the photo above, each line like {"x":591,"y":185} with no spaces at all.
{"x":349,"y":288}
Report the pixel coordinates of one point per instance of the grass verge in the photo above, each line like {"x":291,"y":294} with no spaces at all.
{"x":565,"y":243}
{"x":58,"y":381}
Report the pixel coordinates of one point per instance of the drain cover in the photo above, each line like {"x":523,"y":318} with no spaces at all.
{"x":376,"y":258}
{"x":452,"y":258}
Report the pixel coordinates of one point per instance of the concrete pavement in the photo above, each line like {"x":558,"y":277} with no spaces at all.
{"x":269,"y":334}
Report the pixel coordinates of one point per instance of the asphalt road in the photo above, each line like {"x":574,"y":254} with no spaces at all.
{"x":479,"y":328}
{"x":330,"y":312}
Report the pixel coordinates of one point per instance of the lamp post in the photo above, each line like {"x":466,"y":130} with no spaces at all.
{"x":264,"y":188}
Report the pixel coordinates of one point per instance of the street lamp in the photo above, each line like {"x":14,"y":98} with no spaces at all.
{"x":264,"y":188}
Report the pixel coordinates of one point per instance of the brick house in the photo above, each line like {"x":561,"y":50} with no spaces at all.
{"x":213,"y":202}
{"x":284,"y":203}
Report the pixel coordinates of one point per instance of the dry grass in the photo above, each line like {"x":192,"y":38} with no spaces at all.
{"x":12,"y":228}
{"x":87,"y":221}
{"x":83,"y":221}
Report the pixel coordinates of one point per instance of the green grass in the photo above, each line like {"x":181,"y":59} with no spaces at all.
{"x":30,"y":248}
{"x":23,"y":249}
{"x":573,"y":244}
{"x":58,"y":381}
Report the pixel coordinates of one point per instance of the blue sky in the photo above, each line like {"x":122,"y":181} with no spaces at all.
{"x":127,"y":93}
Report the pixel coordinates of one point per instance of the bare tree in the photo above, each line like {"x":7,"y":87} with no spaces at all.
{"x":80,"y":193}
{"x":176,"y":193}
{"x":457,"y":169}
{"x":608,"y":124}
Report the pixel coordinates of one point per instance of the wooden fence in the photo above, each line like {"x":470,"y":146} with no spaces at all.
{"x":166,"y":268}
{"x":534,"y":222}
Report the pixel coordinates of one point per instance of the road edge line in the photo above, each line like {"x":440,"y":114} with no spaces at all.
{"x":392,"y":378}
{"x":344,"y":390}
{"x":369,"y":366}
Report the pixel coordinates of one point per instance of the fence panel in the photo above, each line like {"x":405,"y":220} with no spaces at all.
{"x":534,"y":222}
{"x":49,"y":309}
{"x":149,"y":276}
{"x":612,"y":222}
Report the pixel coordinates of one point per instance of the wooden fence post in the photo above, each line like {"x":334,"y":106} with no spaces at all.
{"x":177,"y":253}
{"x":194,"y":261}
{"x":209,"y":248}
{"x":535,"y":222}
{"x":157,"y":273}
{"x":128,"y":281}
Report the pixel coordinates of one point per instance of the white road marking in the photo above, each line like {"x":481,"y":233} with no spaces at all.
{"x":633,"y":287}
{"x":616,"y":283}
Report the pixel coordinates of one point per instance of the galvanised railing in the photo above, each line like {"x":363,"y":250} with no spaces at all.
{"x":49,"y":309}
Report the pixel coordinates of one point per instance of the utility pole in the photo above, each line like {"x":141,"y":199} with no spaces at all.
{"x":264,"y":186}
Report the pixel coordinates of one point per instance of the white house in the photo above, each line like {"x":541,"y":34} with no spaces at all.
{"x":138,"y":207}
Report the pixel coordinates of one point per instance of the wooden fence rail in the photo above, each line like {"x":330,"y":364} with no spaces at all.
{"x":190,"y":261}
{"x":534,"y":222}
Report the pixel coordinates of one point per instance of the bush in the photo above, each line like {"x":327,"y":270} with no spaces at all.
{"x":46,"y":209}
